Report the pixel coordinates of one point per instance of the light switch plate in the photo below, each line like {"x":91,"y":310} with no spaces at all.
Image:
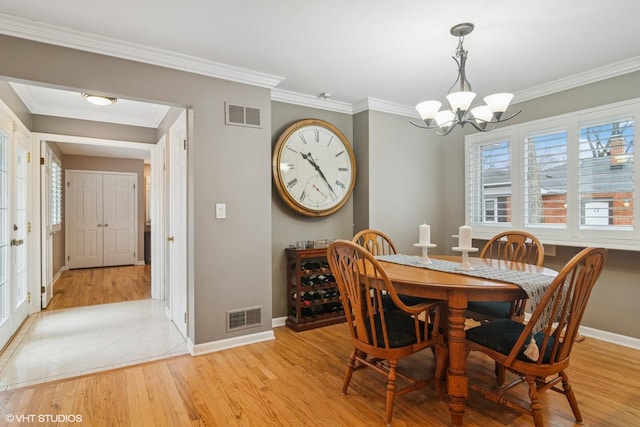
{"x":221,"y":210}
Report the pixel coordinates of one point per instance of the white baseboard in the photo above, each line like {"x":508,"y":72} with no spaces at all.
{"x":611,"y":337}
{"x":139,"y":262}
{"x":210,"y":347}
{"x":58,"y":274}
{"x":278,"y":321}
{"x":622,"y":340}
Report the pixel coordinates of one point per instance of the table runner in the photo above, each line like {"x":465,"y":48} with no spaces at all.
{"x":533,"y":284}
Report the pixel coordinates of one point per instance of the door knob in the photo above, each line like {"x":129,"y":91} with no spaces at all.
{"x":17,"y":242}
{"x":170,"y":239}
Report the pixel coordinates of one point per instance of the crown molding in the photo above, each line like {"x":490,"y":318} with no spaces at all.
{"x":383,"y":106}
{"x":304,"y":100}
{"x":592,"y":76}
{"x":52,"y":34}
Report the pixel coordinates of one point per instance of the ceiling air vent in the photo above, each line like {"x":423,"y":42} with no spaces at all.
{"x":242,"y":116}
{"x":244,"y":318}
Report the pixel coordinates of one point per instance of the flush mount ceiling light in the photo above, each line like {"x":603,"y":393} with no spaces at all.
{"x":460,"y":98}
{"x":99,"y":99}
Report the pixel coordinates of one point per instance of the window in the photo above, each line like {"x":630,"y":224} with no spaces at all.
{"x":606,"y":175}
{"x":569,"y":179}
{"x":55,"y":193}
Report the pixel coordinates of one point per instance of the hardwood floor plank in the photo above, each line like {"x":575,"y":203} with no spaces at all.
{"x":295,"y":380}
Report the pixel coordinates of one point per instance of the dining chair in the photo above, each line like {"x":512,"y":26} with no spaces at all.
{"x":553,"y":327}
{"x":382,"y":337}
{"x":513,"y":245}
{"x":378,"y":243}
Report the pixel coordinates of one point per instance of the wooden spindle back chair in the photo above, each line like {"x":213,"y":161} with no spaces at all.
{"x":553,"y":326}
{"x":381,"y":337}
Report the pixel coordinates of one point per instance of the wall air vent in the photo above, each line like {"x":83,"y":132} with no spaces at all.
{"x":244,"y":318}
{"x":239,"y":115}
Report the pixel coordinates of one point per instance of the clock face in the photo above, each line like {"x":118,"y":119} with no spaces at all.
{"x":314,"y":168}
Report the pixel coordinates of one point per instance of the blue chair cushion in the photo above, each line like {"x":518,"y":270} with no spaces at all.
{"x":501,"y":335}
{"x":495,"y":309}
{"x":400,"y":329}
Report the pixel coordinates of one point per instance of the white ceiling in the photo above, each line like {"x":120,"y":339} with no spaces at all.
{"x":62,"y":103}
{"x":358,"y":50}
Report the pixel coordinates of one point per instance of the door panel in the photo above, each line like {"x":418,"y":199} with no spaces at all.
{"x":84,"y":219}
{"x":119,"y":219}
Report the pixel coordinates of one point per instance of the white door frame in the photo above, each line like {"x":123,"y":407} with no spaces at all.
{"x":177,"y":240}
{"x":155,"y":285}
{"x":158,"y":220}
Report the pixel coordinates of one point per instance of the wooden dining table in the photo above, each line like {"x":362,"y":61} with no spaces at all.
{"x":457,"y":290}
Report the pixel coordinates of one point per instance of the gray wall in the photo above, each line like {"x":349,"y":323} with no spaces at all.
{"x":220,"y":171}
{"x":287,"y":226}
{"x":613,"y":302}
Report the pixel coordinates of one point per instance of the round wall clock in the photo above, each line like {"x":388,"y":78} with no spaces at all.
{"x":314,"y":168}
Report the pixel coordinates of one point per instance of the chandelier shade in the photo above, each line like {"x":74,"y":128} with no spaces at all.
{"x":460,"y":99}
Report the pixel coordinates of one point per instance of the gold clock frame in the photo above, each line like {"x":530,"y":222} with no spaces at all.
{"x":277,"y":175}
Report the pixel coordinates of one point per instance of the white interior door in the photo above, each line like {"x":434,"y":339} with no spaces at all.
{"x":14,"y":188}
{"x":119,"y":219}
{"x":101,"y":219}
{"x":177,"y":238}
{"x":83,"y":219}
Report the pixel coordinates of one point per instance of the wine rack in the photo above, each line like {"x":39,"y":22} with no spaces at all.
{"x":312,"y":292}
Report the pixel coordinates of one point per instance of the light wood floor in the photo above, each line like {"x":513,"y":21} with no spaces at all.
{"x":295,"y":380}
{"x":92,"y":286}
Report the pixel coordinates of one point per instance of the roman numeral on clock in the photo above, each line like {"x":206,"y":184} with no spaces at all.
{"x":291,"y":183}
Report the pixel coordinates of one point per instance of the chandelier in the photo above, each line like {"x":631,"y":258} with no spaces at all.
{"x":460,"y":97}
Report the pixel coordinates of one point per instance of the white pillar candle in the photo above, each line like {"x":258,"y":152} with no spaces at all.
{"x":425,"y":234}
{"x":464,"y":237}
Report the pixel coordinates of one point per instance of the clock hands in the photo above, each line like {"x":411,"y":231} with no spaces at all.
{"x":308,"y":158}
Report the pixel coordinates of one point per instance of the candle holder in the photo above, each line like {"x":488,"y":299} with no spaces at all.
{"x":425,"y":252}
{"x":464,"y":264}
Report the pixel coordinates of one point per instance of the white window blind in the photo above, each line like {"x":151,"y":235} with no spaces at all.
{"x":55,"y":201}
{"x":490,"y":183}
{"x":545,"y":179}
{"x":607,"y":175}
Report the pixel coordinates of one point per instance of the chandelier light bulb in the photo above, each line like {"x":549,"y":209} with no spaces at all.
{"x":460,"y":100}
{"x":428,"y":109}
{"x":498,"y":102}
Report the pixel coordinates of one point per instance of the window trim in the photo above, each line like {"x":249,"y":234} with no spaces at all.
{"x":625,"y":238}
